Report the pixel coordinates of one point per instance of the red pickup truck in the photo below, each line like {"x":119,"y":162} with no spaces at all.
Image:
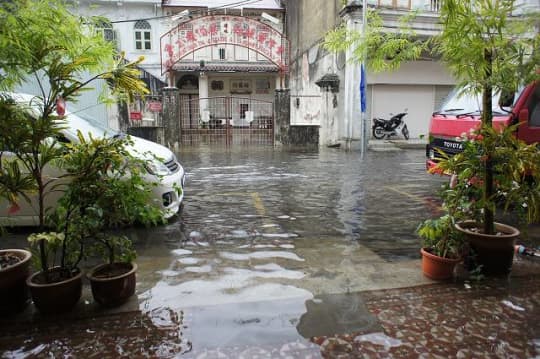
{"x":460,"y":114}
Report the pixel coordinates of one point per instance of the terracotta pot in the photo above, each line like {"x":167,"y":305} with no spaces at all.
{"x":14,"y":295}
{"x":58,"y":297}
{"x":438,"y":268}
{"x":495,"y":253}
{"x":112,"y":291}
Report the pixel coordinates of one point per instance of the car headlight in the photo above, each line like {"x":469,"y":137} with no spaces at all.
{"x":157,"y":168}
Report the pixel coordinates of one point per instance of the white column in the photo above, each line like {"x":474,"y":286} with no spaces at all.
{"x":351,"y":126}
{"x":203,"y":97}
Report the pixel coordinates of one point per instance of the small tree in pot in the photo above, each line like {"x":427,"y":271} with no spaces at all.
{"x":107,"y":191}
{"x":516,"y":177}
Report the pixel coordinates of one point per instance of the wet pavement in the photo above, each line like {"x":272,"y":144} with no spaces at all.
{"x":284,"y":253}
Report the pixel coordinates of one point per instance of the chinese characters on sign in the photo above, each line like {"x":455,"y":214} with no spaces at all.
{"x":223,"y":29}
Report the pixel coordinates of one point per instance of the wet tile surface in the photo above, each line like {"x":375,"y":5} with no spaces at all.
{"x":494,"y":319}
{"x":498,"y":318}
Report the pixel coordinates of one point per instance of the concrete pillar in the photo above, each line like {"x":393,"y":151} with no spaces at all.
{"x":282,"y":114}
{"x":171,"y":117}
{"x":352,"y":121}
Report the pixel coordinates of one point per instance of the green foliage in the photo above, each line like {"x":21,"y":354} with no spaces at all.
{"x":381,"y":50}
{"x":440,"y":237}
{"x":516,"y":174}
{"x":107,"y":190}
{"x":43,"y":40}
{"x":113,"y":249}
{"x":57,"y":251}
{"x":473,"y":28}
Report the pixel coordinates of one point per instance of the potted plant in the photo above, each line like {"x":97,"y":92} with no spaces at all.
{"x":442,"y":247}
{"x":59,"y":53}
{"x":14,"y":263}
{"x":516,"y":187}
{"x":106,"y":191}
{"x":113,"y":282}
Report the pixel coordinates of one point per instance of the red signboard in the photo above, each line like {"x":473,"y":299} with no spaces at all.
{"x":224,"y":29}
{"x":154,"y":106}
{"x":135,"y":115}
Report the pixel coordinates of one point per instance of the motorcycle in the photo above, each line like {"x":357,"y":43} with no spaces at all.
{"x":387,"y":128}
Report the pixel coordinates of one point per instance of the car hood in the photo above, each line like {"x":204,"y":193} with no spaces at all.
{"x":144,"y":149}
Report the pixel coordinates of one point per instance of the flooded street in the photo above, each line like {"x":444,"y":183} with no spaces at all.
{"x":263,"y":231}
{"x":271,"y":257}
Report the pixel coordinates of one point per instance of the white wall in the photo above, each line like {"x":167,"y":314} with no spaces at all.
{"x":126,"y":10}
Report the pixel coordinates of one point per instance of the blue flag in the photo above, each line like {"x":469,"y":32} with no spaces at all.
{"x":362,"y":89}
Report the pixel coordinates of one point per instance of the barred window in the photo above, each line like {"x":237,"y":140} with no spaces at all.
{"x":143,"y":35}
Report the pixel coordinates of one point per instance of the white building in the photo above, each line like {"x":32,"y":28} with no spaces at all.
{"x":208,"y":49}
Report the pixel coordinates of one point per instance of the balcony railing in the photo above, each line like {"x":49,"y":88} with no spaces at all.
{"x":421,"y":5}
{"x":435,"y":5}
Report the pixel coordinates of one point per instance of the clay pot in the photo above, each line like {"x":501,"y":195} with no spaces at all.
{"x":438,"y":268}
{"x":113,"y":284}
{"x":495,"y":253}
{"x":14,"y":295}
{"x":56,"y":297}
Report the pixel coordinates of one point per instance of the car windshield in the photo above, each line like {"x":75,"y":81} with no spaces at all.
{"x":87,"y":125}
{"x":459,"y":103}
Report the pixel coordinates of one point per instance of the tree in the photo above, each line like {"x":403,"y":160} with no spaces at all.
{"x":485,"y":47}
{"x":43,"y":41}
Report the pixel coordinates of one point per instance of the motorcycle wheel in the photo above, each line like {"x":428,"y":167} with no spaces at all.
{"x":378,"y":133}
{"x":405,"y":132}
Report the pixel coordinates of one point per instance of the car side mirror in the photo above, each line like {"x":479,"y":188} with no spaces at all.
{"x":523,"y":115}
{"x":506,"y":99}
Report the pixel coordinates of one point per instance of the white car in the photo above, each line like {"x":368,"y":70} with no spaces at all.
{"x":163,"y":169}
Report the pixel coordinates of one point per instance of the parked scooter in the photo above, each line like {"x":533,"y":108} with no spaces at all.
{"x":393,"y":127}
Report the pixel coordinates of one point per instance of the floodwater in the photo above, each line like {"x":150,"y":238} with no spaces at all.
{"x":265,"y":235}
{"x":271,"y":246}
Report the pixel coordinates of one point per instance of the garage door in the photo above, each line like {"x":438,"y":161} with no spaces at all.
{"x":418,"y":99}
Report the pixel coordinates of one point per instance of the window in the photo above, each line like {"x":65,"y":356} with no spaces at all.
{"x":105,"y":29}
{"x":143,"y":37}
{"x":534,"y":108}
{"x":222,"y":54}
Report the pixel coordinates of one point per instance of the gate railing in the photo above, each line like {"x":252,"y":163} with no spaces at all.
{"x":226,"y":120}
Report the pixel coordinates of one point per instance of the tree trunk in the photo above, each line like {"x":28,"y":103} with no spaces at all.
{"x":487,"y":121}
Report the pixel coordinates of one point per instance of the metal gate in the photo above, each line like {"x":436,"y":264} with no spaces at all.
{"x":226,"y":121}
